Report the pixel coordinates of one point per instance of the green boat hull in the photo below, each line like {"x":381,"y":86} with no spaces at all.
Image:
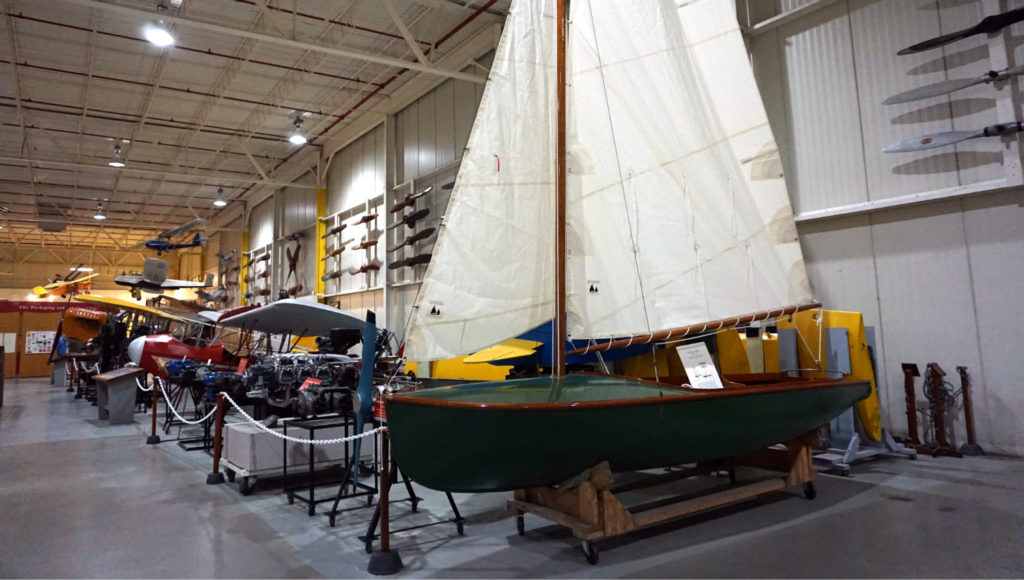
{"x":499,"y":436}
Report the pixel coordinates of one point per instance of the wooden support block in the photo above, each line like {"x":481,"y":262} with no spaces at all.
{"x":579,"y":528}
{"x":713,"y":500}
{"x":615,"y":517}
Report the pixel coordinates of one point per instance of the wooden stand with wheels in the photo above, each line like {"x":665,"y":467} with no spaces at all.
{"x":592,"y":511}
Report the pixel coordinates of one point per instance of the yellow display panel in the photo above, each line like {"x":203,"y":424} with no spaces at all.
{"x":810,"y":326}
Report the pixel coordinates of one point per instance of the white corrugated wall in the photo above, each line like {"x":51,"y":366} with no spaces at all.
{"x":940,"y":281}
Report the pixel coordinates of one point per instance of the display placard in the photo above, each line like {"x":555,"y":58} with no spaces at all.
{"x":39,"y":341}
{"x":699,"y":366}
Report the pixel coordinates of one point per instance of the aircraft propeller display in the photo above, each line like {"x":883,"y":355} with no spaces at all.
{"x":946,"y":87}
{"x":951,"y":137}
{"x":988,"y":25}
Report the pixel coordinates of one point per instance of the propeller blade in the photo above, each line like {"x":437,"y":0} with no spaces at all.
{"x":932,"y":141}
{"x":988,"y":25}
{"x":948,"y":138}
{"x":935,"y":90}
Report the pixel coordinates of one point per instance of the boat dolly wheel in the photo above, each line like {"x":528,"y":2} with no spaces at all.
{"x":521,"y":525}
{"x":810,"y":491}
{"x":590,"y":551}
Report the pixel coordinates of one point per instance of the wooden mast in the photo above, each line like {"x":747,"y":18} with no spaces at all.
{"x":558,"y":361}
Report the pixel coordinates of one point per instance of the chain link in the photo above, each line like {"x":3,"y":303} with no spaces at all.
{"x":139,"y":384}
{"x":175,"y":411}
{"x":297,"y":439}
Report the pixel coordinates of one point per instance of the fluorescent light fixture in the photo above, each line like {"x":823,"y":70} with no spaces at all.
{"x":82,"y":269}
{"x":118,"y":160}
{"x":297,"y":138}
{"x":220,"y":201}
{"x":99,"y":213}
{"x":157,"y":32}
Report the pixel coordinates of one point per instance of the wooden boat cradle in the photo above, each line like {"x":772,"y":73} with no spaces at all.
{"x":592,"y":511}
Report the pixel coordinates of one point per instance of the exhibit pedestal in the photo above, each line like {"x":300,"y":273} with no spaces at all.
{"x":115,"y":394}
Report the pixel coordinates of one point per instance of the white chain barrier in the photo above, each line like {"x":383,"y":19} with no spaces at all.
{"x":84,"y":369}
{"x":297,"y":439}
{"x":144,"y":388}
{"x":170,"y":406}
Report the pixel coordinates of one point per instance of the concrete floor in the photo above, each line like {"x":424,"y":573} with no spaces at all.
{"x":79,"y":498}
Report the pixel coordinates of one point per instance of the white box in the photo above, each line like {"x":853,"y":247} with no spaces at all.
{"x":253,"y":449}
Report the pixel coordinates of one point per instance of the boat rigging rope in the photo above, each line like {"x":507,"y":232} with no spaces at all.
{"x":297,"y":439}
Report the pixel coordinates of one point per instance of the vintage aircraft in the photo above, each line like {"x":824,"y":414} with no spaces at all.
{"x":218,"y":295}
{"x":154,"y":280}
{"x":163,"y":242}
{"x":67,"y":286}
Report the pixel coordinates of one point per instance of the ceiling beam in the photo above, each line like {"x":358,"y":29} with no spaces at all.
{"x":210,"y":178}
{"x":404,"y":30}
{"x":145,"y":15}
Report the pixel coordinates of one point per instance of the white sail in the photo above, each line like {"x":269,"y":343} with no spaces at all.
{"x":492,"y":273}
{"x":666,"y":225}
{"x":665,"y":230}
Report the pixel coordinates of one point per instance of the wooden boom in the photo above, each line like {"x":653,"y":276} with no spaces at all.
{"x":696,"y":328}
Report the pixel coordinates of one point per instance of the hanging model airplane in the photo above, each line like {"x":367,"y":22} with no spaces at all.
{"x":218,"y":295}
{"x":950,"y":137}
{"x":154,"y":280}
{"x":163,"y":242}
{"x":68,"y":285}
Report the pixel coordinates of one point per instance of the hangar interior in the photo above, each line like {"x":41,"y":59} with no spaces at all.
{"x":289,"y":131}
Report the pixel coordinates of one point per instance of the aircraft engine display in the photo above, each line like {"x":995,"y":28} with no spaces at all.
{"x":303,"y":384}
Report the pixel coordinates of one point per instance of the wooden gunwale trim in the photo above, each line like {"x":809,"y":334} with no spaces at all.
{"x":691,"y":395}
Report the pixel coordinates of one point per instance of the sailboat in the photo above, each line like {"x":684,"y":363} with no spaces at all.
{"x":602,"y":190}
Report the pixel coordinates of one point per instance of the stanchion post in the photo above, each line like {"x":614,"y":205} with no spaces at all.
{"x":971,"y":447}
{"x":153,"y":438}
{"x":216,"y":476}
{"x":385,"y":562}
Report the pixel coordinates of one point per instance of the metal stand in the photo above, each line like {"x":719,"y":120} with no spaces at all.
{"x":390,"y":476}
{"x":385,"y":562}
{"x":307,"y":494}
{"x":934,"y":385}
{"x":153,"y":438}
{"x":971,"y":447}
{"x":216,"y":477}
{"x":846,"y":446}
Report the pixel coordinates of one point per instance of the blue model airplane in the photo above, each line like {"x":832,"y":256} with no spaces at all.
{"x":163,"y":242}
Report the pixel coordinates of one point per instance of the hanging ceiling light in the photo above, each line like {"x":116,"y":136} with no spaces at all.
{"x":99,"y":213}
{"x":157,"y":32}
{"x":297,"y":138}
{"x":118,"y":160}
{"x":220,"y":201}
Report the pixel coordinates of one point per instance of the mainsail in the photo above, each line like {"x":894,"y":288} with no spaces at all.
{"x":665,"y":225}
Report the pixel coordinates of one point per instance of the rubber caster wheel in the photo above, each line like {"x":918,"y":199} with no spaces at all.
{"x":460,"y":528}
{"x":590,"y":551}
{"x":291,"y":500}
{"x":415,"y":506}
{"x":230,"y":474}
{"x":330,"y":520}
{"x":810,"y":491}
{"x":369,"y":547}
{"x":246,"y":486}
{"x":521,"y":525}
{"x":311,"y":511}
